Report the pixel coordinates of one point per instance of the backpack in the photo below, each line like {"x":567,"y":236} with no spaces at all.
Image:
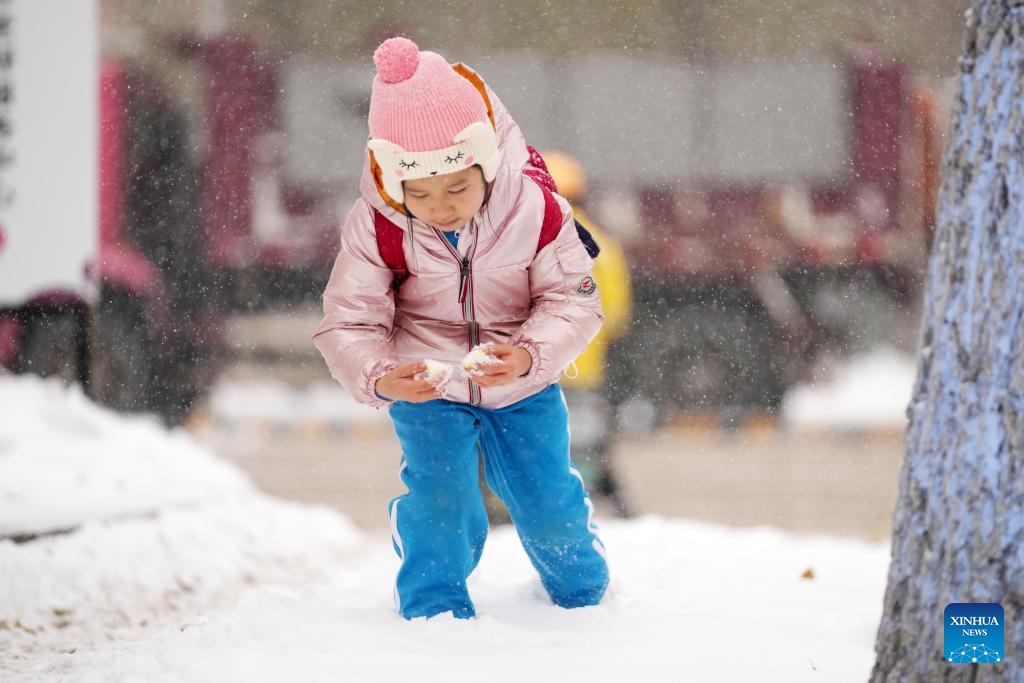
{"x":390,"y":236}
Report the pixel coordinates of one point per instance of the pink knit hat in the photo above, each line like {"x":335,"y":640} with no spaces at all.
{"x":426,"y":119}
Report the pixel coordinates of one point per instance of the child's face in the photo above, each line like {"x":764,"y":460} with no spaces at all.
{"x":446,"y":202}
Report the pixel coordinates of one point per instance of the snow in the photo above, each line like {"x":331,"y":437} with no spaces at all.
{"x":277,"y":402}
{"x":867,"y":392}
{"x":63,"y":462}
{"x":207,"y":579}
{"x":438,"y":373}
{"x":479,"y":355}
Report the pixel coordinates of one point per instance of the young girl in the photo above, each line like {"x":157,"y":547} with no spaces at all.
{"x":445,"y":164}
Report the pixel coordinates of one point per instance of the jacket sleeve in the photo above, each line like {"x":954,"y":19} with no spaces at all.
{"x":566,"y":310}
{"x":359,"y":311}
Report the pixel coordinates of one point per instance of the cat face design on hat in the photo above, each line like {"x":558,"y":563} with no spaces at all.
{"x":474,"y":145}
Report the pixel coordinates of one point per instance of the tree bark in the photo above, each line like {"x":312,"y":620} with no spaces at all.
{"x":958,"y":533}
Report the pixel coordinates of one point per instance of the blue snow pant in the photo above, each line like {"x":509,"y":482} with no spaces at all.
{"x":440,"y":525}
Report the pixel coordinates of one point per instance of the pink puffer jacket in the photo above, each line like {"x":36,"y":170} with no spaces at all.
{"x":543,"y":301}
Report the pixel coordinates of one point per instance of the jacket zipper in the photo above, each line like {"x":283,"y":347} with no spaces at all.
{"x":464,"y":280}
{"x":465,"y":298}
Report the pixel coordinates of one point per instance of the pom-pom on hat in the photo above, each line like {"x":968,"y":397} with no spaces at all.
{"x":425,"y":118}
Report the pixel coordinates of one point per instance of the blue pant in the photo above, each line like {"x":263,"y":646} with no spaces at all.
{"x":440,"y":525}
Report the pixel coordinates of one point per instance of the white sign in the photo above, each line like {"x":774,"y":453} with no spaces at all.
{"x":49,"y":132}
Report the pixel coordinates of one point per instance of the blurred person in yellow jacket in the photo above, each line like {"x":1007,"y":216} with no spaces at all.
{"x":592,"y":418}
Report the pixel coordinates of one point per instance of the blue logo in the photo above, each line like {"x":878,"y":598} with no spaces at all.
{"x":973,"y":633}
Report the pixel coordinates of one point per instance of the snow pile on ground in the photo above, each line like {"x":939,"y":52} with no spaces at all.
{"x":869,"y":391}
{"x":276,"y":402}
{"x":133,"y":523}
{"x":107,"y":580}
{"x":231,"y":585}
{"x":64,"y":461}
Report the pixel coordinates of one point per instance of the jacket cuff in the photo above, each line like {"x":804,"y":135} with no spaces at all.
{"x":535,"y":367}
{"x":374,"y":372}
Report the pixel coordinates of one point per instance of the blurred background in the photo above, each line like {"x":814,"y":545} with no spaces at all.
{"x":768,"y":168}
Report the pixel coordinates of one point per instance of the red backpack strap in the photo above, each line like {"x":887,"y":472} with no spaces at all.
{"x":552,"y":224}
{"x":537,"y":171}
{"x":389,"y":243}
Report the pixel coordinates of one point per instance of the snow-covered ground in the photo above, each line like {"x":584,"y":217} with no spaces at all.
{"x":170,"y":566}
{"x":277,"y":402}
{"x":865,"y":392}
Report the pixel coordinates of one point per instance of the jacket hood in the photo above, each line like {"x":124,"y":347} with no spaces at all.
{"x":507,"y":181}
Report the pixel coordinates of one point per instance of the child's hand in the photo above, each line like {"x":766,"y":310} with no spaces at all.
{"x":401,"y":385}
{"x":513,"y":362}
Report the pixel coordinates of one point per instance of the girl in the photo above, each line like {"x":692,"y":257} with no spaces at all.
{"x":445,"y":165}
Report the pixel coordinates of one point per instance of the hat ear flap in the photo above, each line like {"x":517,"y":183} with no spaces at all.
{"x":472,"y":130}
{"x":387,"y":154}
{"x":382,"y":146}
{"x":480,"y":137}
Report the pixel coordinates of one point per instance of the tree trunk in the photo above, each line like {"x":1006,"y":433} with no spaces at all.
{"x":958,"y":532}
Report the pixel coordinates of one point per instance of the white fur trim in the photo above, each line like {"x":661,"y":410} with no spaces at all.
{"x":475,"y":145}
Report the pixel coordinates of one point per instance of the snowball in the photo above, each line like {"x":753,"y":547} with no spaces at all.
{"x":437,"y":373}
{"x":479,"y":356}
